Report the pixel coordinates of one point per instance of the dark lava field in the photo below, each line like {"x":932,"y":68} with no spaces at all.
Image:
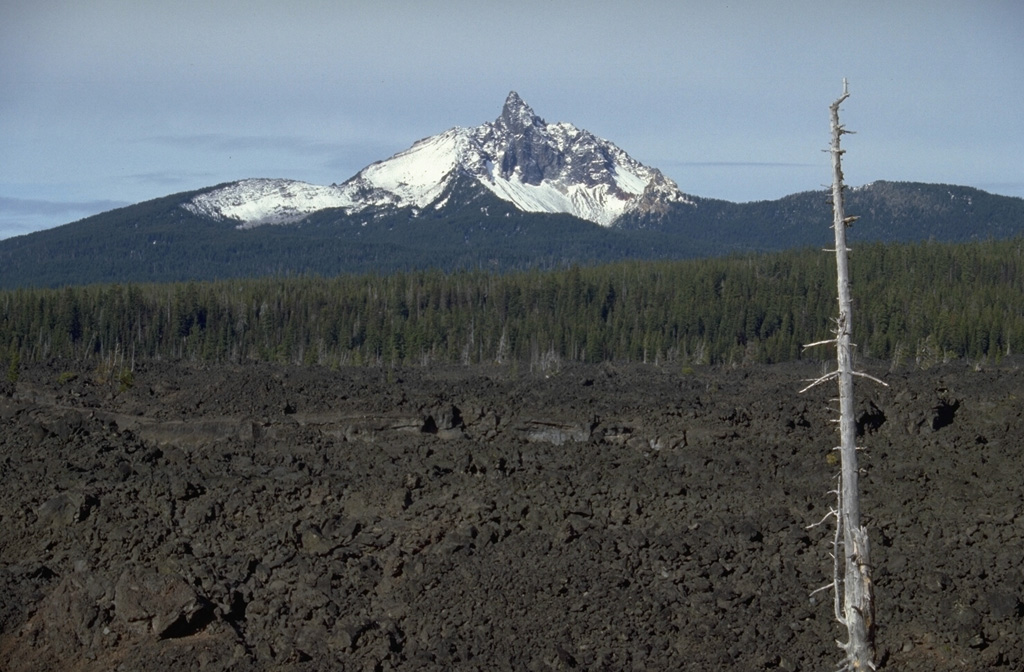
{"x":612,"y":517}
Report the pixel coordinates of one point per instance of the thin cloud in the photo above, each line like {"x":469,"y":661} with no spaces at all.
{"x":171,"y":179}
{"x":20,"y":216}
{"x":224,"y":142}
{"x":12,"y":208}
{"x":740,"y":164}
{"x":363,"y":153}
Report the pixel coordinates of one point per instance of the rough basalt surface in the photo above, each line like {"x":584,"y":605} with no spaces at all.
{"x":603,"y":518}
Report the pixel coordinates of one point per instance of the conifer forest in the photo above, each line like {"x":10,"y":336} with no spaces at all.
{"x":915,"y":303}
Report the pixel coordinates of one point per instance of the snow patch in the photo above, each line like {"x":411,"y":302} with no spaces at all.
{"x":267,"y":201}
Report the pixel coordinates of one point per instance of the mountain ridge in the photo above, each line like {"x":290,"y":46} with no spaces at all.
{"x":509,"y":194}
{"x":160,"y":241}
{"x":540,"y":167}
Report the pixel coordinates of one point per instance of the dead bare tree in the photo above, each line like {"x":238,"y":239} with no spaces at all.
{"x":851,"y":582}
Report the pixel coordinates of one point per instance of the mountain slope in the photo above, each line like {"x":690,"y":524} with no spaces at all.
{"x":539,"y":167}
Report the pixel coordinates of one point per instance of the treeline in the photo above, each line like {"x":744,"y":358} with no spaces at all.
{"x":914,"y":303}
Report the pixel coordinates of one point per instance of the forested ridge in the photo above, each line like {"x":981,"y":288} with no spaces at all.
{"x":160,"y":241}
{"x":913,"y":303}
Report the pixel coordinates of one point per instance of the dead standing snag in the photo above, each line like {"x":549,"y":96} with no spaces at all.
{"x":854,"y":606}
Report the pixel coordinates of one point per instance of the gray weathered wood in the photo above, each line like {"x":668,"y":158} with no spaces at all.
{"x":856,"y":610}
{"x":851,"y":552}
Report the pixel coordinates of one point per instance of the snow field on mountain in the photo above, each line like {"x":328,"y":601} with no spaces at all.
{"x":420,"y":174}
{"x":588,"y":204}
{"x":268,"y":201}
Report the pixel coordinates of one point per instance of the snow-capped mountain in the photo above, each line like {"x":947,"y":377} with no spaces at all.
{"x":537,"y":166}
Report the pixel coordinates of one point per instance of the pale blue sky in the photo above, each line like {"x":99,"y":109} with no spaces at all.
{"x":104,"y":102}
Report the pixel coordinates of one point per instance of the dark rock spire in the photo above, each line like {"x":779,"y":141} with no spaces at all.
{"x":516,"y":115}
{"x":527,"y":147}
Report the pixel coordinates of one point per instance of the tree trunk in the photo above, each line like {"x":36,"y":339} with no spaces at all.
{"x":857,"y":607}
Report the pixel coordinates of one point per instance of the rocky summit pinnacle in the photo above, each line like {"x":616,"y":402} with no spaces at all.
{"x":519,"y":157}
{"x":516,"y":115}
{"x":528,"y":149}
